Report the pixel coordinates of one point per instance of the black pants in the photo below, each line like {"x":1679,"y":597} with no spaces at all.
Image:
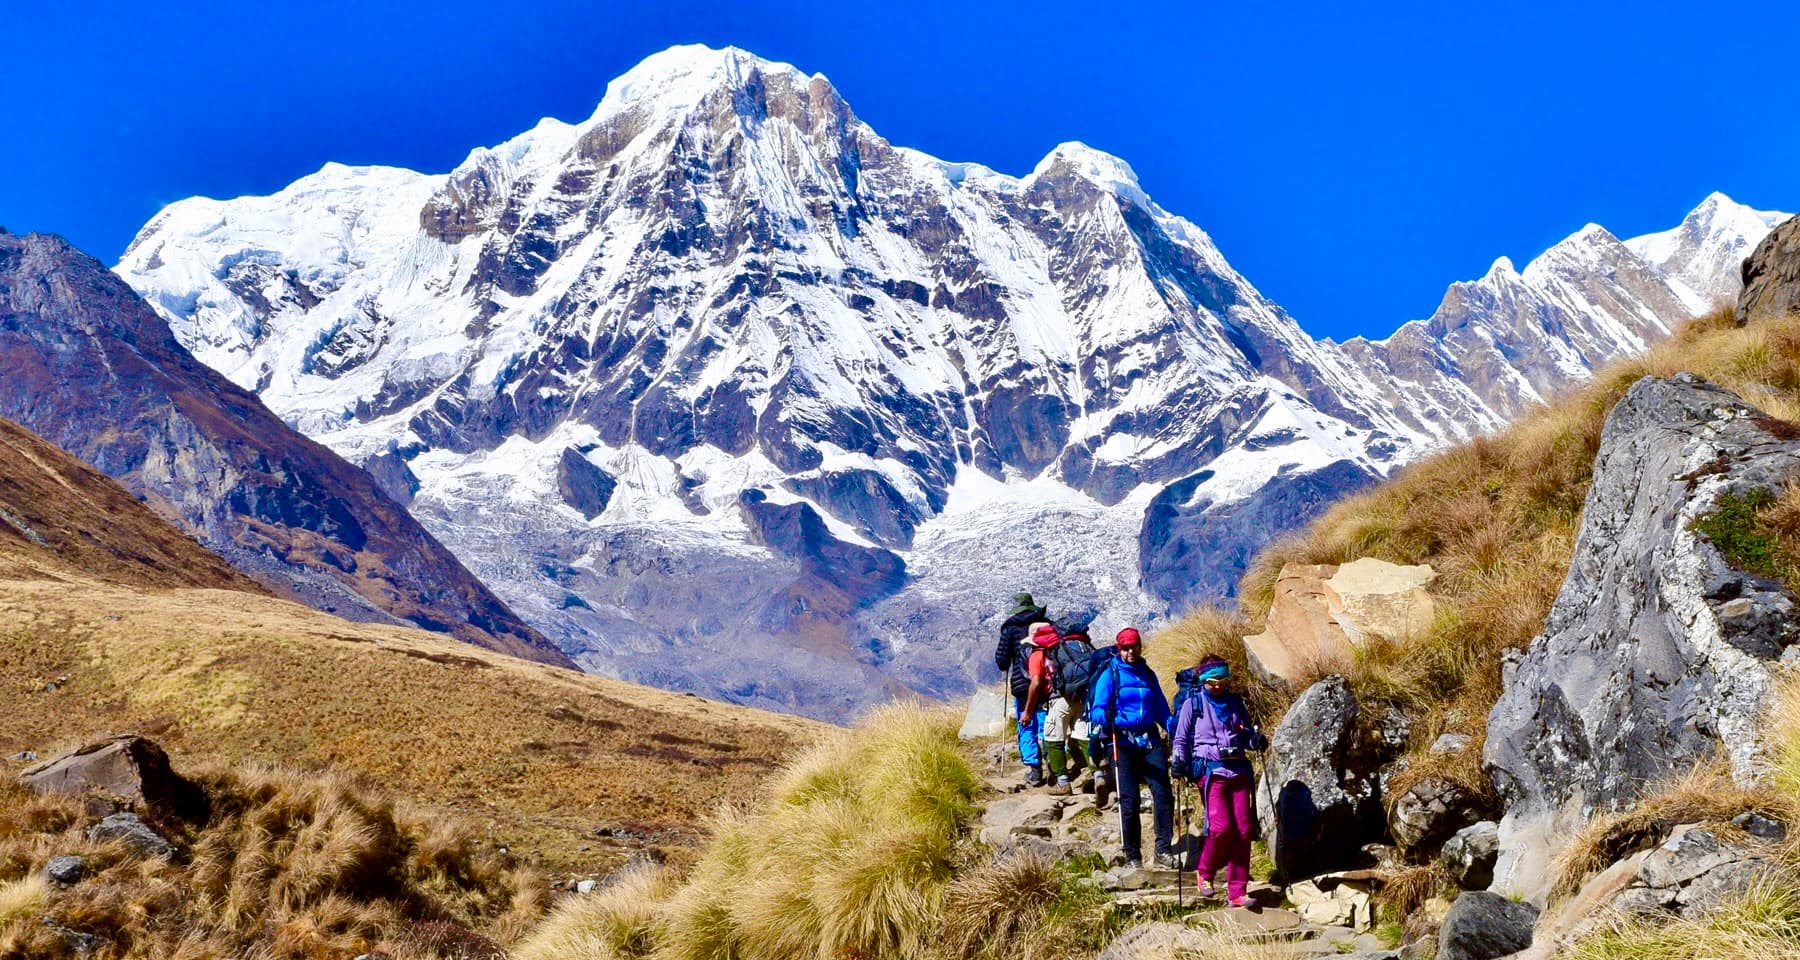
{"x":1134,"y":765}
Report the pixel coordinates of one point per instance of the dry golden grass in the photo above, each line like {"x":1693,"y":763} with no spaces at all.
{"x":1764,"y":924}
{"x":1497,"y":518}
{"x":283,"y":865}
{"x":851,"y":855}
{"x":535,"y":757}
{"x":997,"y":903}
{"x":1706,"y":795}
{"x":616,"y":923}
{"x":23,"y":899}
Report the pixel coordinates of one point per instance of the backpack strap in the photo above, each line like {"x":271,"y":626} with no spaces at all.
{"x":1112,"y":708}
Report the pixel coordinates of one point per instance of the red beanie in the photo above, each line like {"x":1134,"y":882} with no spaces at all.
{"x":1128,"y":637}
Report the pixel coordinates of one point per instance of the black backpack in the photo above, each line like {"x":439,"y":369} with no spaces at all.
{"x":1073,"y":663}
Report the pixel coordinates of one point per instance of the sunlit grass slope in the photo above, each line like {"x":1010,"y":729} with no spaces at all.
{"x":537,"y":758}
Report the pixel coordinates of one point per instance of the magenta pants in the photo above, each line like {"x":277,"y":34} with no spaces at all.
{"x":1230,"y":823}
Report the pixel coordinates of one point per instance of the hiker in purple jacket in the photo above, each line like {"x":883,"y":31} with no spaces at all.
{"x":1212,"y":733}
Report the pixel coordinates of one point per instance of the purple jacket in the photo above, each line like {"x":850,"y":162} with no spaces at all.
{"x":1206,"y":727}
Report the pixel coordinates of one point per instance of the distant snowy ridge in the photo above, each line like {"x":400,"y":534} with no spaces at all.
{"x":722,"y":391}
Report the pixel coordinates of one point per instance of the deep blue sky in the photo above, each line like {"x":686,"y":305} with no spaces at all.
{"x":1350,"y":160}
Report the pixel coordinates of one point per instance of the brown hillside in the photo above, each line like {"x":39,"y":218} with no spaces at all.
{"x":90,"y":367}
{"x":540,"y":757}
{"x":62,"y":519}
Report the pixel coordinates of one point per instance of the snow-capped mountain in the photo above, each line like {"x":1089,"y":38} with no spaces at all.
{"x":722,"y":391}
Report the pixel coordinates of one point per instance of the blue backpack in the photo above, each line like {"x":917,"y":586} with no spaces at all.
{"x":1187,"y":684}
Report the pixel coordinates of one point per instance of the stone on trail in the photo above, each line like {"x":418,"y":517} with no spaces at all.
{"x":1692,"y":872}
{"x":66,"y":869}
{"x":1259,"y":923}
{"x":1330,"y":901}
{"x":1430,"y":812}
{"x":134,"y":833}
{"x":1370,"y":599}
{"x":1299,"y":633}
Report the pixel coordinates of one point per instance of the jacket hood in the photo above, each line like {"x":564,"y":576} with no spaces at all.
{"x":1045,"y":636}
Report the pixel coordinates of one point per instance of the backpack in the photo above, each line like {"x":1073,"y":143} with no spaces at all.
{"x":1073,"y":663}
{"x":1187,"y":685}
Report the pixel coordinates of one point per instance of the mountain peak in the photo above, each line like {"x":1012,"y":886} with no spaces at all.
{"x":1095,"y":166}
{"x":683,"y":75}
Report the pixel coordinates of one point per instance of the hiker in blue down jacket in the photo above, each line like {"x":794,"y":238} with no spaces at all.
{"x":1128,"y":714}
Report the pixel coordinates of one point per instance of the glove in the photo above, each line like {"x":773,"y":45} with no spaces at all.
{"x":1258,"y":742}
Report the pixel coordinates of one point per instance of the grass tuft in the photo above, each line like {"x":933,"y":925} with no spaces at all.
{"x":618,"y":922}
{"x":851,"y":856}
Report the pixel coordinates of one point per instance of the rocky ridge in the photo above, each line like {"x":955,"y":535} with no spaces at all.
{"x":60,"y":517}
{"x":576,"y":353}
{"x":91,"y":368}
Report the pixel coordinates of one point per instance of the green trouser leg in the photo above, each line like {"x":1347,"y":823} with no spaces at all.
{"x":1078,"y":756}
{"x":1057,"y":759}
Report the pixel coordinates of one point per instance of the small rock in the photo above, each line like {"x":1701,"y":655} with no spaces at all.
{"x":134,"y":833}
{"x":1258,"y":922}
{"x":1157,"y":939}
{"x":1761,"y":827}
{"x":1485,"y":926}
{"x":66,"y":869}
{"x":1430,"y":812}
{"x":26,"y":756}
{"x":586,"y":887}
{"x":1451,"y":743}
{"x":1470,"y":854}
{"x":84,"y":944}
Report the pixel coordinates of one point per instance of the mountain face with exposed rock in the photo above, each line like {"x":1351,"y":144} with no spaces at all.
{"x":90,"y":367}
{"x":724,"y":392}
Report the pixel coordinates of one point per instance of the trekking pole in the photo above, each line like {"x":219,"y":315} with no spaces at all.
{"x":1181,"y":845}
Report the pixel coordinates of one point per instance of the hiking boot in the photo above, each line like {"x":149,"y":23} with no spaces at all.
{"x":1063,"y":788}
{"x":1169,"y":860}
{"x":1102,"y":790}
{"x":1034,"y":777}
{"x":1239,"y":902}
{"x":1205,"y":890}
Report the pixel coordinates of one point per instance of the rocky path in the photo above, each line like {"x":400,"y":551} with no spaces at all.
{"x":1326,"y":916}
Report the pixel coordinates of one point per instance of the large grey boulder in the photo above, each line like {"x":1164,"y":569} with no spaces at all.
{"x":1656,"y":653}
{"x":1485,"y":926}
{"x":1320,"y":802}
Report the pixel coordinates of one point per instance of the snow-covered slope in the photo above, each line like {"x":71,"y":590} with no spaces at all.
{"x":723,"y":391}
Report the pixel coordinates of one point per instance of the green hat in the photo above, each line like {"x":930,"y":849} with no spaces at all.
{"x":1023,"y":600}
